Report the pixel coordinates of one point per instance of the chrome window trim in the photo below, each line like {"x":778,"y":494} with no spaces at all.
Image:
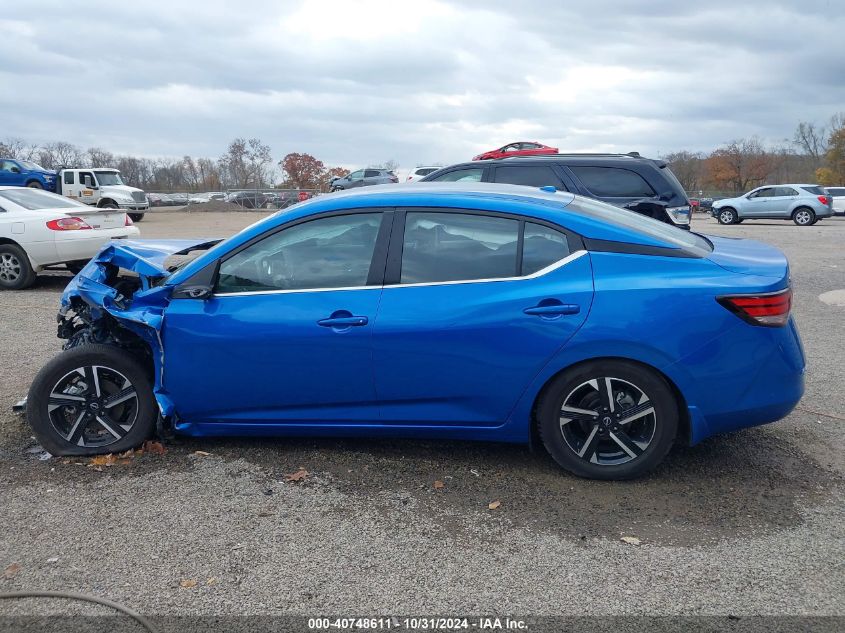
{"x":543,"y":271}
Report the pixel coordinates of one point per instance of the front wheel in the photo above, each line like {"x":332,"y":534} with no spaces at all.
{"x":804,"y":217}
{"x":608,"y":419}
{"x":136,"y":217}
{"x":90,"y":400}
{"x":35,"y":185}
{"x":727,"y":216}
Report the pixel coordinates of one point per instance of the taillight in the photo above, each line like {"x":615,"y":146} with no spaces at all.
{"x":824,"y":200}
{"x":68,"y":224}
{"x":771,"y":309}
{"x":128,"y":221}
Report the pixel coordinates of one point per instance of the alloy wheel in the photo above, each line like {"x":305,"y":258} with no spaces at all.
{"x":803,"y":217}
{"x":10,"y":268}
{"x":608,"y":421}
{"x":93,"y":406}
{"x":727,"y":217}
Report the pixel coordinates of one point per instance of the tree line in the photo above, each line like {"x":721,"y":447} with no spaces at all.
{"x":246,"y":164}
{"x":816,"y":154}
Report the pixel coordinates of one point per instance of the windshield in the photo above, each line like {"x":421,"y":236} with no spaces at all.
{"x":655,"y":229}
{"x":34,"y":199}
{"x":109,"y":178}
{"x":31,"y":166}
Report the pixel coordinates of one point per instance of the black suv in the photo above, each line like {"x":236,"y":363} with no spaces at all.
{"x":630,"y":181}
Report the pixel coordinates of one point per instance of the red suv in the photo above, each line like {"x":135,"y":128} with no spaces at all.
{"x":520,"y":148}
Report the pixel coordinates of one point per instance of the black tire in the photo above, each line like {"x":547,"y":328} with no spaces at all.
{"x":601,"y":455}
{"x":34,"y":185}
{"x":136,"y":217}
{"x":16,"y":271}
{"x":108,"y":205}
{"x":804,"y":216}
{"x":109,"y":374}
{"x":728,"y":215}
{"x":76,"y":266}
{"x":740,"y":221}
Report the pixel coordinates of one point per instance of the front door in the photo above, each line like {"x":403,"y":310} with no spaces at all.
{"x":470,"y":323}
{"x":10,"y":173}
{"x":758,"y":204}
{"x":286,"y":337}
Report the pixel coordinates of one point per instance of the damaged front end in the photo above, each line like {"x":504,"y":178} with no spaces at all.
{"x":119,"y":298}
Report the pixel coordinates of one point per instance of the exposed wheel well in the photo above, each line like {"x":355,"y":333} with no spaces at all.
{"x":684,"y":431}
{"x":804,"y":207}
{"x":5,"y":240}
{"x":104,"y":201}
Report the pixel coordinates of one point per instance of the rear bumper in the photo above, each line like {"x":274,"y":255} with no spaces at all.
{"x":760,"y":381}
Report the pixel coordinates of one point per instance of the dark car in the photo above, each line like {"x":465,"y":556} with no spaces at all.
{"x":630,"y":181}
{"x":250,"y":199}
{"x":362,"y":178}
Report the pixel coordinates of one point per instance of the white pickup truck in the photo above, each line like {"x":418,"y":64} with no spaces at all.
{"x":103,"y":188}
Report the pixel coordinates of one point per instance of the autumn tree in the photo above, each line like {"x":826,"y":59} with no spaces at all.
{"x":740,"y":165}
{"x":688,"y":167}
{"x":302,"y":171}
{"x":835,"y":158}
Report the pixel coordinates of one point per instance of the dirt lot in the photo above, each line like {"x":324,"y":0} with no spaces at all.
{"x":750,"y":523}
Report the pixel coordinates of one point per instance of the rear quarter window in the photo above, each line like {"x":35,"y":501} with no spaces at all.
{"x":816,"y":191}
{"x":613,"y":182}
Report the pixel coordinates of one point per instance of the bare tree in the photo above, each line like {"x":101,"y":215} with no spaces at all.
{"x":246,"y":163}
{"x":811,"y":139}
{"x":688,"y":167}
{"x":98,"y":157}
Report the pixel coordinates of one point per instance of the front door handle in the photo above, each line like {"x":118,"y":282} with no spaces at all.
{"x":343,"y":321}
{"x":554,"y":309}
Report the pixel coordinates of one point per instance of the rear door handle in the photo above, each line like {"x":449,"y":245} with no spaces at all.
{"x":344,"y":321}
{"x":556,"y":309}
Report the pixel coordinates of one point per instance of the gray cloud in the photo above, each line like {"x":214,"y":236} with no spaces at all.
{"x":360,"y":82}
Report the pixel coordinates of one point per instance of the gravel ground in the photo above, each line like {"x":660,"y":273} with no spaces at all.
{"x":749,"y":523}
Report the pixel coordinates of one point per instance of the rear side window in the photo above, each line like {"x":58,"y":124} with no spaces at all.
{"x":816,"y":191}
{"x":613,"y":182}
{"x":369,"y":173}
{"x":461,"y":175}
{"x":542,"y":247}
{"x":70,"y":177}
{"x":785,"y":191}
{"x":426,"y":171}
{"x":454,"y":247}
{"x":836,"y":191}
{"x":536,"y":176}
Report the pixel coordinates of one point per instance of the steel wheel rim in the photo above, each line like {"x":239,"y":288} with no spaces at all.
{"x":10,"y":267}
{"x":803,"y":217}
{"x":93,"y":406}
{"x":608,"y":421}
{"x":726,"y":217}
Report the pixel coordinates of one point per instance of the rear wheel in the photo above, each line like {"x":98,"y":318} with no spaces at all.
{"x":608,"y":419}
{"x":804,"y":216}
{"x":35,"y":185}
{"x":727,"y":216}
{"x":89,"y":400}
{"x":136,"y":217}
{"x":16,"y":272}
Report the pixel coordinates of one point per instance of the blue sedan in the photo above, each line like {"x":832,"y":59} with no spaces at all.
{"x":466,"y":311}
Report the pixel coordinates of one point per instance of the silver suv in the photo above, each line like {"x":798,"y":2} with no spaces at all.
{"x":803,"y":204}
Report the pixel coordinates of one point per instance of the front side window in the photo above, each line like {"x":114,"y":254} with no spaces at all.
{"x":767,"y":192}
{"x":356,"y":175}
{"x":331,"y":252}
{"x":456,"y":247}
{"x":87,"y":178}
{"x":542,"y":247}
{"x":613,"y":182}
{"x":462,"y":175}
{"x":531,"y":176}
{"x":6,"y":165}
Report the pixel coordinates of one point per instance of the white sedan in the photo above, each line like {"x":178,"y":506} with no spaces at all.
{"x":40,"y":229}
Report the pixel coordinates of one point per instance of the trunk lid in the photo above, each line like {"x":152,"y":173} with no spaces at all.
{"x":101,"y":218}
{"x":749,"y":257}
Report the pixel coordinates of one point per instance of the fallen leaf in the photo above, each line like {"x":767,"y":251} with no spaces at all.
{"x":129,"y":454}
{"x":299,"y":475}
{"x":188,"y":583}
{"x":157,"y":448}
{"x":494,"y":504}
{"x":202,"y":453}
{"x":65,"y":461}
{"x":12,"y":570}
{"x":98,"y":469}
{"x":103,"y":460}
{"x":211,"y":581}
{"x":439,"y":484}
{"x":54,"y":559}
{"x":630,"y":540}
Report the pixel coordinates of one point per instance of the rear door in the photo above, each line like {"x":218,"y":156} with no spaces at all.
{"x":780,"y":204}
{"x":475,"y":305}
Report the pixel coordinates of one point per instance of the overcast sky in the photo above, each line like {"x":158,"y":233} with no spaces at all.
{"x":361,"y":82}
